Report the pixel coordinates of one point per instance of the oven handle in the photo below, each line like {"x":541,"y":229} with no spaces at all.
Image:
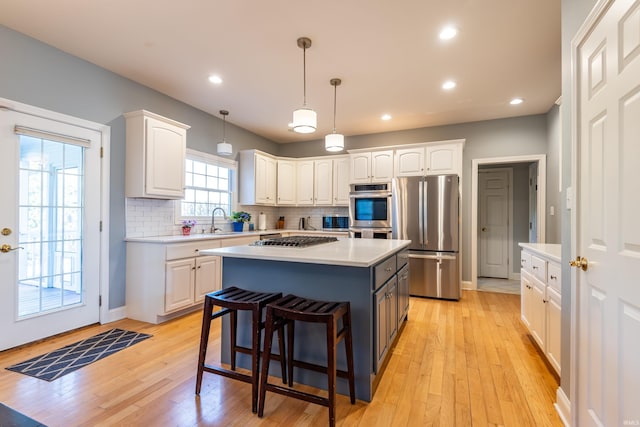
{"x":432,"y":256}
{"x":370,"y":195}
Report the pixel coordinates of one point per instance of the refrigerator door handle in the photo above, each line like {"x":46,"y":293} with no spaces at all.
{"x":447,"y":257}
{"x":425,"y":226}
{"x":421,"y":212}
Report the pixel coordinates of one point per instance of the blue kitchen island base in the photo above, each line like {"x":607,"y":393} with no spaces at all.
{"x":315,"y":281}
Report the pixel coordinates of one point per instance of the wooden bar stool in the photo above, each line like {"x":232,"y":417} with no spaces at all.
{"x":230,"y":300}
{"x":288,"y":310}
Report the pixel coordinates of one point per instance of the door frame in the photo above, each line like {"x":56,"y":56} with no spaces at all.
{"x":541,"y":159}
{"x":509,"y":171}
{"x":105,"y":315}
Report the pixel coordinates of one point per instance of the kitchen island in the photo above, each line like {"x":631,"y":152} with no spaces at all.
{"x":371,"y":274}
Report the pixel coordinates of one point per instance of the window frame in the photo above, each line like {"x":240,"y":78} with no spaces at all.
{"x":210,"y":159}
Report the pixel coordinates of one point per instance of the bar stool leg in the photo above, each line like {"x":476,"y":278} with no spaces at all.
{"x":255,"y":358}
{"x":348,"y":345}
{"x":290,"y":334}
{"x":268,"y":341}
{"x":331,"y":369}
{"x":233,"y":328}
{"x":204,"y":341}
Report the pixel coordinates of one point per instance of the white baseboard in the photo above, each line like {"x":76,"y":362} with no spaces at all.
{"x":115,"y":314}
{"x":467,"y":285}
{"x":563,"y":406}
{"x":514,"y":276}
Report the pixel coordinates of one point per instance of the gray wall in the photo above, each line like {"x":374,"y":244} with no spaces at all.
{"x":492,"y":138}
{"x":573,"y":14}
{"x":553,"y":175}
{"x":37,"y":74}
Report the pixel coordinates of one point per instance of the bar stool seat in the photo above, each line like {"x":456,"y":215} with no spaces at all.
{"x":230,"y":300}
{"x":286,"y":311}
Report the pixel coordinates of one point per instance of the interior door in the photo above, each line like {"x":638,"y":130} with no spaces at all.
{"x":493,"y":199}
{"x":50,"y":221}
{"x":533,"y":203}
{"x":608,"y":231}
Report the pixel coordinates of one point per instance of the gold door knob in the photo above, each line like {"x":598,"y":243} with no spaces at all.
{"x":8,"y":248}
{"x":5,"y":231}
{"x":484,"y":228}
{"x":580,"y":262}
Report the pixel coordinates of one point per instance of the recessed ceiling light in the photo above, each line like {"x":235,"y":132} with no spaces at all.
{"x":516,"y":101}
{"x":386,"y":117}
{"x":448,"y":32}
{"x":215,"y":79}
{"x":448,"y":85}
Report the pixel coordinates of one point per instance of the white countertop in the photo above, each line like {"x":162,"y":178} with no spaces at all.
{"x":346,"y":252}
{"x":550,"y":250}
{"x":178,"y":238}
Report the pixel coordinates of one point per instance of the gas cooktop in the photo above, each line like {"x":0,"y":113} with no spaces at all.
{"x":296,"y":241}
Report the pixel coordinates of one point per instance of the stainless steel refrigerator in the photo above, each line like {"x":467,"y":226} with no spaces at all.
{"x":426,"y":210}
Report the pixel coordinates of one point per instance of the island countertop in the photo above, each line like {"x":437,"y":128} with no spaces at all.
{"x":345,"y":252}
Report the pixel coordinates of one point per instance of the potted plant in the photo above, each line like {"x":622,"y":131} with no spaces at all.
{"x":239,"y":218}
{"x":186,"y":226}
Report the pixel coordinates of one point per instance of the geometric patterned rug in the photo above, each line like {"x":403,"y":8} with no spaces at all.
{"x":60,"y":362}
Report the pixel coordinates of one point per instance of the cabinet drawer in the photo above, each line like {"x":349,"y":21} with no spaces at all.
{"x":384,"y":271}
{"x":525,"y":261}
{"x":191,"y":249}
{"x":553,"y":276}
{"x":403,"y":259}
{"x":539,"y":268}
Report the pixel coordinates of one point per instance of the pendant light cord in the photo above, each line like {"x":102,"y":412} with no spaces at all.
{"x":335,"y":95}
{"x":304,"y":75}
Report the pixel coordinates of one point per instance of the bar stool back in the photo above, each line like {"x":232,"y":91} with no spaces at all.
{"x":230,"y":300}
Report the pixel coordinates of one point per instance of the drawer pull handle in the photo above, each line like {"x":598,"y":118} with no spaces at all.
{"x":553,"y":277}
{"x":387,"y":269}
{"x":535,"y":267}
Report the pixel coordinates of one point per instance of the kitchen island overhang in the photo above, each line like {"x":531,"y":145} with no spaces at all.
{"x":351,"y":270}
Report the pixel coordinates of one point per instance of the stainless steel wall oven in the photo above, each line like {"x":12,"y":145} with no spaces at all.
{"x":370,"y":207}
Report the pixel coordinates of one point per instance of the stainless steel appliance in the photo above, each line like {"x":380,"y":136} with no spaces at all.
{"x":296,"y":241}
{"x":426,"y":210}
{"x":370,"y":210}
{"x":335,"y":223}
{"x":370,"y":233}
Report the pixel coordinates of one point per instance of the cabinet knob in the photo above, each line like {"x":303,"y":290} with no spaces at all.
{"x":553,"y":277}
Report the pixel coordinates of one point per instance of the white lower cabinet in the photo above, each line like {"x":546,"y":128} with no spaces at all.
{"x":165,"y":280}
{"x":541,"y":302}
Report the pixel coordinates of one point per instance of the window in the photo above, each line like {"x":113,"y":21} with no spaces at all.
{"x":209,"y":184}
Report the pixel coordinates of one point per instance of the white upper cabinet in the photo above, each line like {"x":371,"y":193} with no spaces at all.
{"x":374,"y":166}
{"x":257,"y":178}
{"x":155,"y":156}
{"x":444,"y":159}
{"x":410,"y":161}
{"x":323,"y":182}
{"x":286,"y":187}
{"x":305,"y":180}
{"x":341,"y":182}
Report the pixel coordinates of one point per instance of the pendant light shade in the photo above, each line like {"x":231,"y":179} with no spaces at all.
{"x":304,"y":119}
{"x":224,"y":148}
{"x":334,"y":141}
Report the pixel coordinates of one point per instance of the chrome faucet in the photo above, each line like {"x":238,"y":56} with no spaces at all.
{"x":213,"y":219}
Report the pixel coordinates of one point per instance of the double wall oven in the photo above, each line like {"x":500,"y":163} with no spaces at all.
{"x":370,"y":211}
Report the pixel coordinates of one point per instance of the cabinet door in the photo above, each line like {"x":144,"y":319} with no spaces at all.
{"x":409,"y":162}
{"x":538,"y":315}
{"x":381,"y":324}
{"x":554,"y":313}
{"x":360,"y":168}
{"x":305,"y":182}
{"x":382,"y":166}
{"x":403,"y":294}
{"x":179,"y":284}
{"x":208,"y":278}
{"x":341,"y":182}
{"x":265,"y":180}
{"x":286,"y":187}
{"x":443,"y":159}
{"x":323,"y":182}
{"x":392,"y":301}
{"x":165,"y":153}
{"x":526,"y":298}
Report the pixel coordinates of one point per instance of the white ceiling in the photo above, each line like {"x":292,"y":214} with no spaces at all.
{"x":386,"y":52}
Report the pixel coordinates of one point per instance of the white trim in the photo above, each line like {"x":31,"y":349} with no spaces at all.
{"x":114,"y":314}
{"x":542,"y":201}
{"x":400,"y":147}
{"x":573,"y":190}
{"x":563,"y":407}
{"x":467,"y":285}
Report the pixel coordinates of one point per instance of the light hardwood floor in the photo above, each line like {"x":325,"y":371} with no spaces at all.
{"x":465,"y":363}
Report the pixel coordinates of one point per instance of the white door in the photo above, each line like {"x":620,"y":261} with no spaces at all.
{"x":608,"y":230}
{"x":50,"y":221}
{"x":493,"y":199}
{"x":533,"y":203}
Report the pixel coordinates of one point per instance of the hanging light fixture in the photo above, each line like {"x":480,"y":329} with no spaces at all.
{"x":334,"y":141}
{"x":224,"y":148}
{"x":304,"y":118}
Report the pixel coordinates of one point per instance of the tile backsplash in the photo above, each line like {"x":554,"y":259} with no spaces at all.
{"x":151,"y":217}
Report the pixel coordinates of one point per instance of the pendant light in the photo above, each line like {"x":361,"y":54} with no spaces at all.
{"x":304,"y":118}
{"x":224,"y":148}
{"x":334,"y":141}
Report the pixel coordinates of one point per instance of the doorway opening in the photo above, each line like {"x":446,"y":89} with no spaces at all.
{"x":508,"y":207}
